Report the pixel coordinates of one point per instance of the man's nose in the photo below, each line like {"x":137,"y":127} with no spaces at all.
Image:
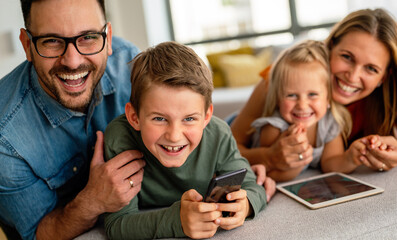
{"x":72,"y":58}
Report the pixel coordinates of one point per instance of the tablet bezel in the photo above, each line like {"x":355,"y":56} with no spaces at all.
{"x":375,"y":190}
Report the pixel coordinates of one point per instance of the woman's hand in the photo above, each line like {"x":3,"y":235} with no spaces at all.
{"x":380,"y":152}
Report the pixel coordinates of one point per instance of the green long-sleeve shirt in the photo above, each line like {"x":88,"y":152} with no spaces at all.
{"x":163,"y":187}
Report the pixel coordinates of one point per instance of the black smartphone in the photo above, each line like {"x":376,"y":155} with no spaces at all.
{"x":223,"y":184}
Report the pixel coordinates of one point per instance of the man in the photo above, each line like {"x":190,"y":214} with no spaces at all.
{"x":53,"y":181}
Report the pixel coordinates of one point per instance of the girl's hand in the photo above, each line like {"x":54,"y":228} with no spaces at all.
{"x":239,"y":210}
{"x":198,"y":218}
{"x":291,"y":150}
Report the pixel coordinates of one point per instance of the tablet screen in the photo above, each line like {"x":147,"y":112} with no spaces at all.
{"x":328,"y":189}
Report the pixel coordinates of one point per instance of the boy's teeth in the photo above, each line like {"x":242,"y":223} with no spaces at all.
{"x":73,"y":77}
{"x":172,"y":149}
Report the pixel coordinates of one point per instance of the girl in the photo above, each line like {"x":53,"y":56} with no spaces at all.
{"x":299,"y":103}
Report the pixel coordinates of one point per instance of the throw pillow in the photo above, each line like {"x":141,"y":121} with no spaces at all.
{"x":243,"y":69}
{"x":213,"y":59}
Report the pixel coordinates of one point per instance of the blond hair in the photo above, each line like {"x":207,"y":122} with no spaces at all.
{"x":381,"y":104}
{"x":308,"y":51}
{"x":173,"y":65}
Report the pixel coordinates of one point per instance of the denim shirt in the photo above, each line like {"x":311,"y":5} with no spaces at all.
{"x":45,"y":148}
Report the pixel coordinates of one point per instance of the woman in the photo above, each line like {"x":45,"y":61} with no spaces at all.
{"x":363,"y":56}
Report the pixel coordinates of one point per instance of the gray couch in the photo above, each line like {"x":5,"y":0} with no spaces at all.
{"x":373,"y":217}
{"x":229,"y":100}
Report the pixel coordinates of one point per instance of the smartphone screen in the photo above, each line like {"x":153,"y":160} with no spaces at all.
{"x":223,"y":184}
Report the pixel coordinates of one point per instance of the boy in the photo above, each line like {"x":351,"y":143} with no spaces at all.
{"x":169,"y":119}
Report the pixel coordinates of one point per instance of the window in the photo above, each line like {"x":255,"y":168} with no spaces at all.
{"x":217,"y":24}
{"x":260,"y":22}
{"x":198,"y":21}
{"x":314,"y":12}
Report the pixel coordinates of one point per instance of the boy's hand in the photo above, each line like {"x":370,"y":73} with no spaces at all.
{"x":260,"y":173}
{"x":262,"y":179}
{"x":239,"y":210}
{"x":198,"y":218}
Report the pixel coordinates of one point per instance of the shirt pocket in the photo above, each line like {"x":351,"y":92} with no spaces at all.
{"x":70,"y":169}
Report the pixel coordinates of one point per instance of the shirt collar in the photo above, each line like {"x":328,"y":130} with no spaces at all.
{"x":58,"y":114}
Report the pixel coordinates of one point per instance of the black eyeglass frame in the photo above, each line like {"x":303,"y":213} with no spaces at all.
{"x":68,"y":40}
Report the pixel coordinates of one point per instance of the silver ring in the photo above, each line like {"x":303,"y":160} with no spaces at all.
{"x":300,"y":157}
{"x":381,"y":169}
{"x":131,"y":182}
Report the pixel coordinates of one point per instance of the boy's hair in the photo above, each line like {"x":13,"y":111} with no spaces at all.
{"x":26,"y":5}
{"x":170,"y":64}
{"x":308,"y":51}
{"x":381,"y":104}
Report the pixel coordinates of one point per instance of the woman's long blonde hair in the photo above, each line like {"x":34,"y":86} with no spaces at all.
{"x":381,"y":104}
{"x":308,"y":51}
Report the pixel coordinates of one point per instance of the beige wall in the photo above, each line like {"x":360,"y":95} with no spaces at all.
{"x":139,"y":21}
{"x":11,"y":20}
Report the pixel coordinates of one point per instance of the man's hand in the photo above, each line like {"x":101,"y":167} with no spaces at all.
{"x":109,"y":188}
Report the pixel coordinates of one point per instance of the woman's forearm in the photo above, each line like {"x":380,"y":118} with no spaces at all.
{"x":260,"y":155}
{"x":241,"y":126}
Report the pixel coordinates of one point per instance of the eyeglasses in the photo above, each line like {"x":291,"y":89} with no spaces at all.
{"x":86,"y":44}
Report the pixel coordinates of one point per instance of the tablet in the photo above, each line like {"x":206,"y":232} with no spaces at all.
{"x":327,"y":189}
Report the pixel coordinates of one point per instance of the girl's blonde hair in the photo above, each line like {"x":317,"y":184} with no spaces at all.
{"x":381,"y":104}
{"x":308,"y":51}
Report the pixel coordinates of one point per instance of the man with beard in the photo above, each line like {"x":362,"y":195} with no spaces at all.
{"x":54,"y":183}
